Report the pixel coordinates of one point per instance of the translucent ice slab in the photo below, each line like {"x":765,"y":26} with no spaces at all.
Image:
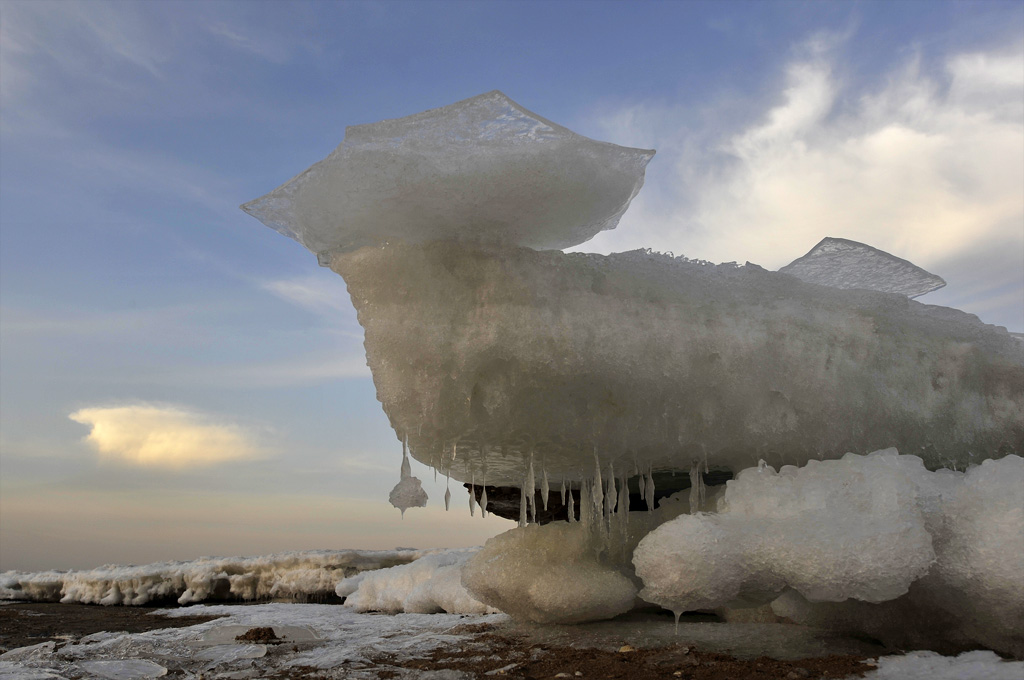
{"x":481,"y":170}
{"x":481,"y":356}
{"x":841,"y":263}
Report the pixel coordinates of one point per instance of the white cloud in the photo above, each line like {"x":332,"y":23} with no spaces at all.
{"x":163,"y":436}
{"x":928,"y":167}
{"x":325,"y":296}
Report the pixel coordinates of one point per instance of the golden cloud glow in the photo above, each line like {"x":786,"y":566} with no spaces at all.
{"x":163,"y":436}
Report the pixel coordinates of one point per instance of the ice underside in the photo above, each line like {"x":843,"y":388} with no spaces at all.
{"x":486,"y":359}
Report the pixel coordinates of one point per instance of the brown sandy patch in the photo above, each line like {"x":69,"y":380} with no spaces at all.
{"x":24,"y":624}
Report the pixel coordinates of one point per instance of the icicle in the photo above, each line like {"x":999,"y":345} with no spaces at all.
{"x":472,"y":495}
{"x":483,"y":495}
{"x":447,"y":499}
{"x":642,"y":482}
{"x":650,"y":489}
{"x":563,"y":492}
{"x":612,"y":496}
{"x":696,"y":488}
{"x":545,"y":489}
{"x":677,"y":615}
{"x":522,"y":505}
{"x":571,"y":514}
{"x":585,"y":504}
{"x":531,"y":486}
{"x":598,"y":497}
{"x":406,"y":467}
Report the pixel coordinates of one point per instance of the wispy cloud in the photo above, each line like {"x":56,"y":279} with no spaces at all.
{"x":925,"y":165}
{"x":163,"y":436}
{"x":325,"y":296}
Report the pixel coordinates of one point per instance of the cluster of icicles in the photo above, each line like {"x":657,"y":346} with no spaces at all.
{"x":604,"y":498}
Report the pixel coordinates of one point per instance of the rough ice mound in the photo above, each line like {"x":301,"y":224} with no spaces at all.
{"x":481,"y":356}
{"x":832,"y":530}
{"x":429,"y":585}
{"x":293,"y":575}
{"x":841,"y":263}
{"x":484,"y":170}
{"x":860,"y":530}
{"x":549,"y":574}
{"x":973,"y":594}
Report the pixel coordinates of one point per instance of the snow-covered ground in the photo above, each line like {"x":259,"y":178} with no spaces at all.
{"x":332,"y":642}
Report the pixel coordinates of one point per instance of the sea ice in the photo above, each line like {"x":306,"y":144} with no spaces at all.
{"x":123,"y":669}
{"x":485,"y":357}
{"x":841,"y":263}
{"x":483,"y":169}
{"x":301,"y":575}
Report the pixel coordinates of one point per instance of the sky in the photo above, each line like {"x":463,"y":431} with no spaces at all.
{"x":177,"y":380}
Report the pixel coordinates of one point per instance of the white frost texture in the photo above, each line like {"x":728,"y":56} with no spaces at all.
{"x":863,"y":529}
{"x":291,"y":575}
{"x":430,"y":585}
{"x":483,"y":170}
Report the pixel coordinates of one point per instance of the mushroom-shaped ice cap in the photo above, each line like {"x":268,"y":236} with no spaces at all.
{"x":482,"y":170}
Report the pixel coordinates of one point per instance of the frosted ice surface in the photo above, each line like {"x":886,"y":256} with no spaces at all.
{"x":548,"y":574}
{"x":832,"y":530}
{"x":483,"y":355}
{"x":483,"y":170}
{"x":220,"y":654}
{"x":941,"y":552}
{"x":279,"y":575}
{"x":841,"y":263}
{"x":973,"y":594}
{"x":123,"y":669}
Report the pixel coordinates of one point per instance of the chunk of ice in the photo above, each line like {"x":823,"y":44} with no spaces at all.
{"x":483,"y":170}
{"x":841,"y":263}
{"x":123,"y":669}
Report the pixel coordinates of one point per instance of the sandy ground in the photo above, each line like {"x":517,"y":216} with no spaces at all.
{"x":487,"y":650}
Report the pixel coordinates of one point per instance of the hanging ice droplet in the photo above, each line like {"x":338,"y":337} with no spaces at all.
{"x":447,"y":499}
{"x":545,"y":489}
{"x":483,"y":501}
{"x":570,"y":506}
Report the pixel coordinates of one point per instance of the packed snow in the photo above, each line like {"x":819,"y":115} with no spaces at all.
{"x":484,"y":170}
{"x":841,"y":263}
{"x":292,"y":575}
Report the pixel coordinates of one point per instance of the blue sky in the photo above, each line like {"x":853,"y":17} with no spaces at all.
{"x":136,"y":296}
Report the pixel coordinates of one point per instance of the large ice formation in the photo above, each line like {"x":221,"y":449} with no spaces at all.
{"x":943,"y":551}
{"x":504,"y":364}
{"x":311,"y":574}
{"x":841,"y":263}
{"x":484,"y":170}
{"x":484,"y":358}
